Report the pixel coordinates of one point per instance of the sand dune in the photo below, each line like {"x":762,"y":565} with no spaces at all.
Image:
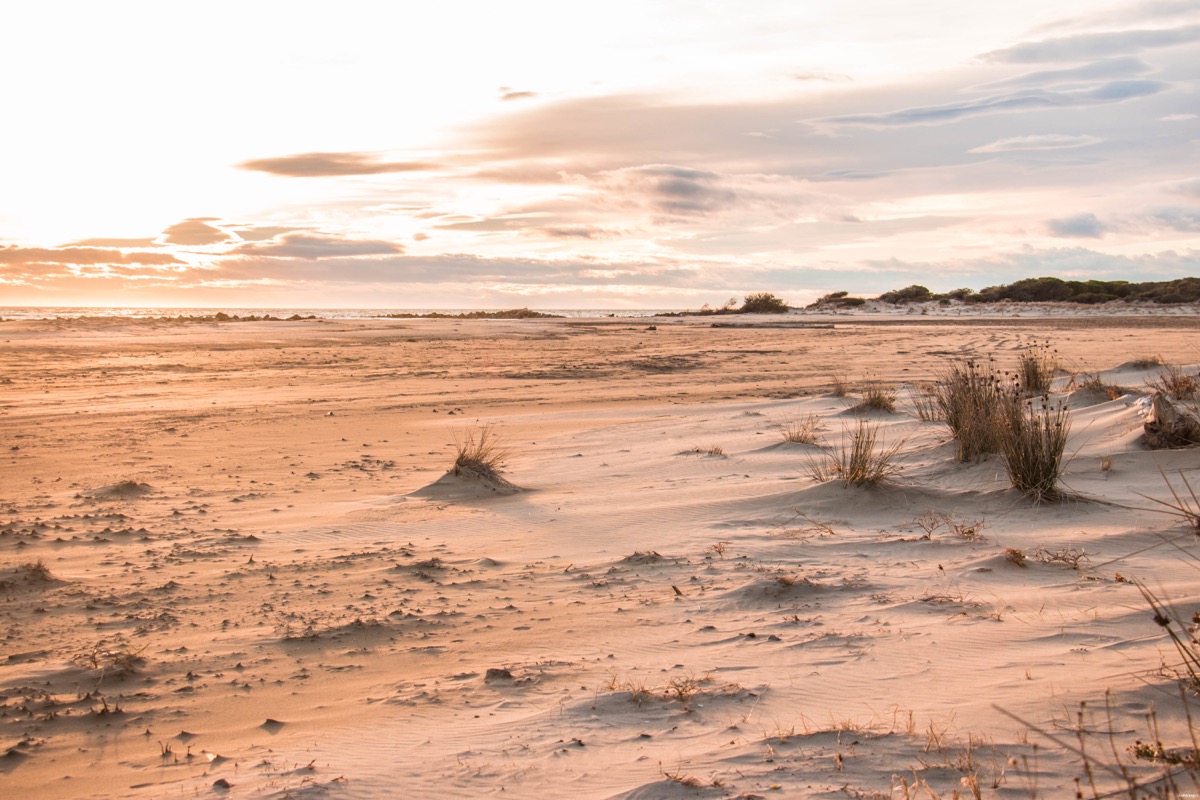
{"x":235,"y":562}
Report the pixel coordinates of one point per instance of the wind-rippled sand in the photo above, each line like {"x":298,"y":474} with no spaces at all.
{"x":232,"y":563}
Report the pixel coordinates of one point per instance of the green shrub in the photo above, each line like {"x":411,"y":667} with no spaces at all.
{"x":763,"y":303}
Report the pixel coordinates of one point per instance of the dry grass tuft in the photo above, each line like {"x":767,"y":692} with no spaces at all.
{"x":974,"y":399}
{"x":1036,"y":368}
{"x":1175,"y":383}
{"x":800,"y":430}
{"x":877,"y":397}
{"x":36,"y":572}
{"x":715,"y":450}
{"x":1033,"y":443}
{"x":924,"y":399}
{"x":480,"y":453}
{"x":860,"y":461}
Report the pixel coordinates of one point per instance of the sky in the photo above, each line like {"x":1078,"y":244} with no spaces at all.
{"x":616,"y":154}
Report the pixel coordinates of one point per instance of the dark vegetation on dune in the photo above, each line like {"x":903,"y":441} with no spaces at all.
{"x":512,"y":313}
{"x":1057,"y":290}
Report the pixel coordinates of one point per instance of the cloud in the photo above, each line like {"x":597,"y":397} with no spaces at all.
{"x":667,"y":189}
{"x":1046,"y":141}
{"x":579,"y":232}
{"x":491,"y":225}
{"x":1085,"y":46}
{"x":1180,"y":219}
{"x":323,"y":165}
{"x":81,"y":256}
{"x":827,"y":77}
{"x":1078,"y":226}
{"x":466,"y":269}
{"x":195,"y":232}
{"x":1105,"y":69}
{"x":1188,"y":187}
{"x":314,"y":247}
{"x":511,"y":95}
{"x":113,"y":242}
{"x":260,"y":233}
{"x":1031,"y":100}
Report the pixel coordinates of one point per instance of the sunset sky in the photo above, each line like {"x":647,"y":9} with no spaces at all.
{"x":654,"y":154}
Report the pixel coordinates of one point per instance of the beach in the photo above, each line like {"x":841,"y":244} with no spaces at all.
{"x":235,"y":561}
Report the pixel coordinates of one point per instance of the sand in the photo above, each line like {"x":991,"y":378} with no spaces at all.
{"x":233,"y":563}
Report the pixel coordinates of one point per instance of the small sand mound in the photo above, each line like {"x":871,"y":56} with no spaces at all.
{"x":466,"y":485}
{"x":642,"y":558}
{"x":782,"y":587}
{"x":125,"y":490}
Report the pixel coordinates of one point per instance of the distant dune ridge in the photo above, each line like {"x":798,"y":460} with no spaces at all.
{"x":581,"y":557}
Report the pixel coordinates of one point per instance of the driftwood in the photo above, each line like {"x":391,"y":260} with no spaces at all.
{"x":1172,"y":423}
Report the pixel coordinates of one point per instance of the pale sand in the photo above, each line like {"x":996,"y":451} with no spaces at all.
{"x":253,"y":518}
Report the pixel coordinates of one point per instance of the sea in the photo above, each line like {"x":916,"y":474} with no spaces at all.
{"x":77,"y":312}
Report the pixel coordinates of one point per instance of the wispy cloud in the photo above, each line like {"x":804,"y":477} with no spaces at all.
{"x":1044,"y":141}
{"x":15,"y":255}
{"x":508,"y":95}
{"x":324,"y":165}
{"x":1086,"y":46}
{"x":312,"y":247}
{"x":1104,"y":69}
{"x":1032,"y":100}
{"x":1179,"y":219}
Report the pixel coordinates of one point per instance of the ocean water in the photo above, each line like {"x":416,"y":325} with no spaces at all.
{"x":75,"y":312}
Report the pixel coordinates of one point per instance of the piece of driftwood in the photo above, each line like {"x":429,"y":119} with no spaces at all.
{"x":1171,"y":423}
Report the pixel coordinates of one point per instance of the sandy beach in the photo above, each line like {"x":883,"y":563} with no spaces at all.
{"x":234,"y":563}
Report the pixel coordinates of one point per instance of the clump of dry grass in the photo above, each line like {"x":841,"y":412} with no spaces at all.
{"x":36,"y":572}
{"x":975,"y":399}
{"x":862,"y":460}
{"x":1033,"y":443}
{"x":479,"y":453}
{"x":924,"y":399}
{"x":1036,"y":367}
{"x":714,"y":450}
{"x":841,"y":387}
{"x":985,"y":410}
{"x":800,"y":430}
{"x":1094,"y":383}
{"x":877,"y":397}
{"x":1175,"y":383}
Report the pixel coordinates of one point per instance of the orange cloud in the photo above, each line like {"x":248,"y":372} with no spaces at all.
{"x":323,"y":165}
{"x":81,"y":256}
